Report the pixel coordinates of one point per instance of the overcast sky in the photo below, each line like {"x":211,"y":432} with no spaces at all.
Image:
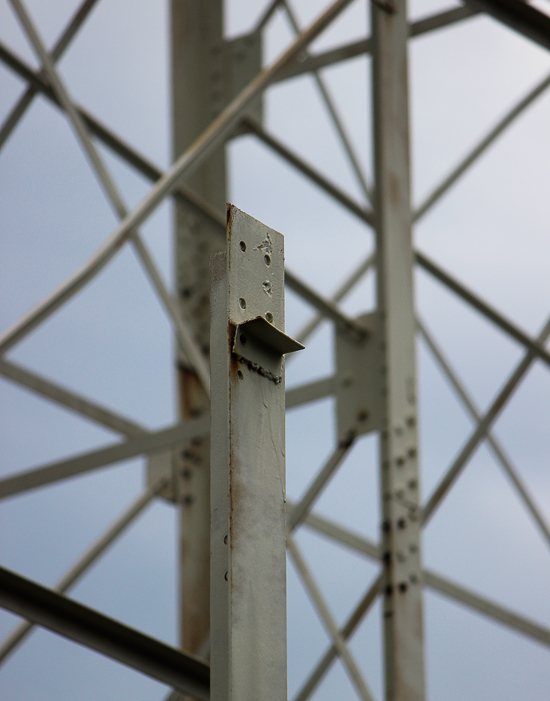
{"x":113,"y":342}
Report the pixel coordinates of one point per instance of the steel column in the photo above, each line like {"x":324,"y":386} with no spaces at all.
{"x":248,"y":565}
{"x":197,"y":92}
{"x":403,"y":636}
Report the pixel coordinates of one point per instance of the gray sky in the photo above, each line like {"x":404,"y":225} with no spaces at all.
{"x":113,"y":342}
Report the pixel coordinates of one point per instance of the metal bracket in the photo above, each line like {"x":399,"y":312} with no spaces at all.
{"x":242,"y":63}
{"x":359,"y":380}
{"x":261,"y":346}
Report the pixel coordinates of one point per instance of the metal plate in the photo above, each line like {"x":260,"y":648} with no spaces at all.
{"x":360,"y":381}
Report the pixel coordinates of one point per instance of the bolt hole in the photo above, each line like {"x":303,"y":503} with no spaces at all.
{"x":242,"y":245}
{"x":242,"y":303}
{"x":225,"y":540}
{"x":243,"y":339}
{"x":240,"y":376}
{"x":269,"y":317}
{"x":267,"y":259}
{"x":226,"y":576}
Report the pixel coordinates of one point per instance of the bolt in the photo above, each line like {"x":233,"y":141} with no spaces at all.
{"x":188,"y":499}
{"x":401,"y":523}
{"x":403,"y":587}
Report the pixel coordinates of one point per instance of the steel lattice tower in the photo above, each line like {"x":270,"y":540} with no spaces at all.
{"x":264,"y":113}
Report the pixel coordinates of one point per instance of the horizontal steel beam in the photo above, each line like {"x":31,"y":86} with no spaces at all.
{"x":148,"y":443}
{"x":310,"y":392}
{"x":139,"y":444}
{"x":103,"y":634}
{"x":68,"y":399}
{"x":535,"y":346}
{"x":518,"y":15}
{"x":359,"y":48}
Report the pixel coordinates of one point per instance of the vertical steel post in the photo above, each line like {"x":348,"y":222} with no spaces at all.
{"x":248,"y":565}
{"x":399,"y":477}
{"x":197,"y":98}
